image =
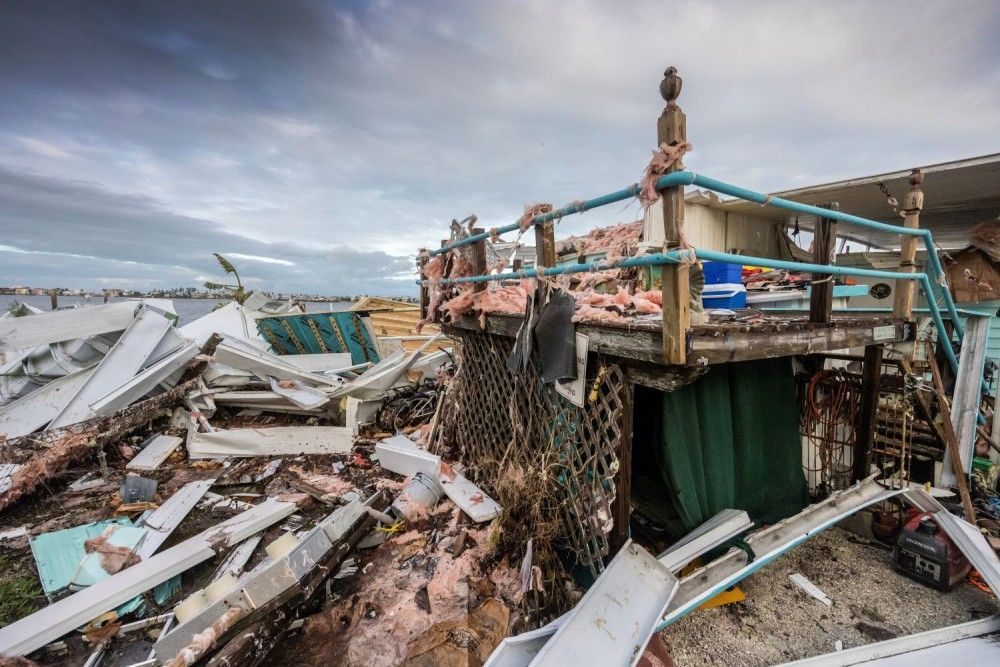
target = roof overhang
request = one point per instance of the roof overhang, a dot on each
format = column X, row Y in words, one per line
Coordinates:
column 957, row 195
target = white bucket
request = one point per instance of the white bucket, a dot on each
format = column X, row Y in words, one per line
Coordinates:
column 421, row 494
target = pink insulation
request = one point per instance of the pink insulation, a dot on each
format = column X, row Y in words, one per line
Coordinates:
column 665, row 157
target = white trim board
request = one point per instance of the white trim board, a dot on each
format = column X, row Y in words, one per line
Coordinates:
column 903, row 645
column 59, row 618
column 965, row 403
column 145, row 382
column 616, row 617
column 162, row 521
column 157, row 450
column 277, row 441
column 120, row 365
column 58, row 325
column 242, row 355
column 32, row 412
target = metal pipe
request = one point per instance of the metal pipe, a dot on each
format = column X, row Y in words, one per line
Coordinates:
column 669, row 180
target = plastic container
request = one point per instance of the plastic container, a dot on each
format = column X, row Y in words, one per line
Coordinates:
column 726, row 295
column 722, row 273
column 418, row 497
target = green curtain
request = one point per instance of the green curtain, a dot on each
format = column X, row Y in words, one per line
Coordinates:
column 731, row 439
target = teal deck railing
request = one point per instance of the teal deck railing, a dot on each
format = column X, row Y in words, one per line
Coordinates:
column 935, row 270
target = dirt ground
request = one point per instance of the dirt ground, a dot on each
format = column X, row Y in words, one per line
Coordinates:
column 778, row 622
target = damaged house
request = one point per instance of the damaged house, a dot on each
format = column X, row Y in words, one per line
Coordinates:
column 712, row 435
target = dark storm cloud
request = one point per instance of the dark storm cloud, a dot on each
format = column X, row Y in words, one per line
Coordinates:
column 283, row 129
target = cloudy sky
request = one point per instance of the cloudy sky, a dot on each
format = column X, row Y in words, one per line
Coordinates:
column 318, row 144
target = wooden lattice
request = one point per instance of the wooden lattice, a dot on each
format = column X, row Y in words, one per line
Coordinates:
column 491, row 418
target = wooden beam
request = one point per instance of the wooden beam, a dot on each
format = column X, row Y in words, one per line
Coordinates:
column 824, row 248
column 864, row 431
column 902, row 306
column 621, row 509
column 645, row 343
column 545, row 244
column 671, row 129
column 479, row 259
column 952, row 443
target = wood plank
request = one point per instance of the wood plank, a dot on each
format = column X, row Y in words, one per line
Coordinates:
column 621, row 508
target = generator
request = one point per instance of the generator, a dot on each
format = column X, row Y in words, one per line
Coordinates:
column 925, row 553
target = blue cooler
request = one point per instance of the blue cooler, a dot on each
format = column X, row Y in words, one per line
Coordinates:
column 724, row 295
column 718, row 273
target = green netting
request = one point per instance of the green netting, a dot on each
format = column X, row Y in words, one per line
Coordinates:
column 729, row 439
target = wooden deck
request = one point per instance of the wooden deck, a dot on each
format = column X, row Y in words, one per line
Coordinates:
column 748, row 335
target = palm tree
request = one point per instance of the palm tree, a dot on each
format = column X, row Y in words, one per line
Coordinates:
column 238, row 294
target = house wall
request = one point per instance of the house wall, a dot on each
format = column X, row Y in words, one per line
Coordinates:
column 713, row 228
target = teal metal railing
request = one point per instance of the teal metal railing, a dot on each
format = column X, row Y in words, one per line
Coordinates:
column 935, row 270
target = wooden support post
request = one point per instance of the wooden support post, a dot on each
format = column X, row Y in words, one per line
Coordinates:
column 479, row 259
column 54, row 298
column 545, row 244
column 902, row 306
column 621, row 509
column 671, row 129
column 952, row 443
column 824, row 247
column 864, row 431
column 425, row 293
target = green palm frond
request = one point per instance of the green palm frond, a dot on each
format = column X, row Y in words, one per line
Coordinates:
column 226, row 265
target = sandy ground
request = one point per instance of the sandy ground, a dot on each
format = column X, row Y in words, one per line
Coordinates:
column 778, row 622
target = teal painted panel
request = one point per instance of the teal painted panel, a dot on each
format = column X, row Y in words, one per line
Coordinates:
column 317, row 333
column 58, row 554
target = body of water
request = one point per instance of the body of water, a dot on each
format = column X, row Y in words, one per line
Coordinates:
column 187, row 309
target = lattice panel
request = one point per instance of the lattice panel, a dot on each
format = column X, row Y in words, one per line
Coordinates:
column 491, row 417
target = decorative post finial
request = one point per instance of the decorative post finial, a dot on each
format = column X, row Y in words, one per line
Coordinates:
column 916, row 177
column 670, row 87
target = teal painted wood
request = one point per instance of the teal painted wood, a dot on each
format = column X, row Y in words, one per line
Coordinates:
column 318, row 333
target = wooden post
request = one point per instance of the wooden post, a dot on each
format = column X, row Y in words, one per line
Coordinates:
column 902, row 306
column 479, row 259
column 671, row 129
column 621, row 509
column 425, row 293
column 864, row 430
column 54, row 298
column 824, row 246
column 545, row 244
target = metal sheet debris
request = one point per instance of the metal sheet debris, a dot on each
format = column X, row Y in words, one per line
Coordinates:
column 277, row 441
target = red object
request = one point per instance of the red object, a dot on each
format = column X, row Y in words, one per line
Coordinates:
column 925, row 553
column 361, row 461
